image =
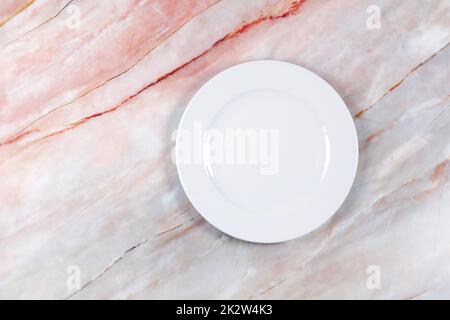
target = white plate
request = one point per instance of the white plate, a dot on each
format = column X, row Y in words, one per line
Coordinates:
column 266, row 151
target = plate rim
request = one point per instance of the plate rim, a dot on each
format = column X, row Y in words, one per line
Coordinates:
column 352, row 176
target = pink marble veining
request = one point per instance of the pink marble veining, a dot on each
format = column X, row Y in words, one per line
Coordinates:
column 85, row 139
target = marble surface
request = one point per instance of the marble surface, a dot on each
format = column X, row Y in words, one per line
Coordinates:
column 90, row 92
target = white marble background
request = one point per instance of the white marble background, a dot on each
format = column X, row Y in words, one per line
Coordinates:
column 86, row 114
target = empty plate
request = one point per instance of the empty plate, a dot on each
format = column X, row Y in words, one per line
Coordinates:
column 266, row 151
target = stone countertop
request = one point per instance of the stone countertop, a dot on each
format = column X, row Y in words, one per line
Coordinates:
column 90, row 203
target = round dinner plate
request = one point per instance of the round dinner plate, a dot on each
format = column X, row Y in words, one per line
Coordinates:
column 266, row 151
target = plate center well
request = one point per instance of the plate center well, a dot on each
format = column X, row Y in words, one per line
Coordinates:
column 266, row 150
